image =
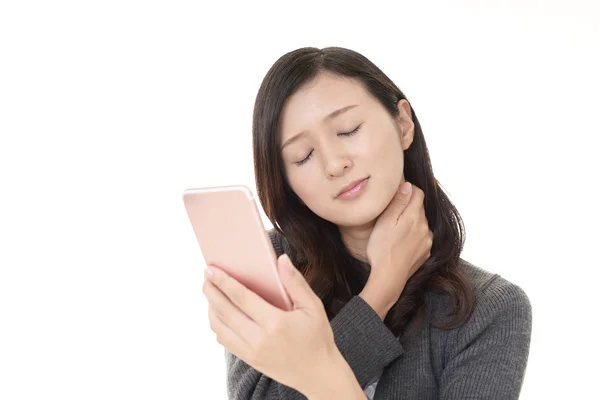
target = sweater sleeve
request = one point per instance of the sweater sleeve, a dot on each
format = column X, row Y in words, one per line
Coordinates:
column 489, row 356
column 360, row 335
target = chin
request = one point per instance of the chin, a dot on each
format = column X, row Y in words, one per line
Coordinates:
column 363, row 212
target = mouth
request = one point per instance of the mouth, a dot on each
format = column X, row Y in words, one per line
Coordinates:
column 352, row 185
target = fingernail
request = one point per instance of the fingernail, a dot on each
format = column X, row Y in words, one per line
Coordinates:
column 406, row 187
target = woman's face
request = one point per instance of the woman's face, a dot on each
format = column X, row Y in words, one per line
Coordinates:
column 323, row 152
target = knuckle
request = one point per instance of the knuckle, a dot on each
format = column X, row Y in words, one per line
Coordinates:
column 222, row 281
column 211, row 321
column 216, row 279
column 417, row 190
column 215, row 316
column 272, row 326
column 236, row 296
column 219, row 279
column 225, row 286
column 417, row 194
column 416, row 222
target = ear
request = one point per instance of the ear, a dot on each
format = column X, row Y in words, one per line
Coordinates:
column 405, row 123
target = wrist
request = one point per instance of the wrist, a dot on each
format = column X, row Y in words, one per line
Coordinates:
column 381, row 307
column 375, row 295
column 338, row 382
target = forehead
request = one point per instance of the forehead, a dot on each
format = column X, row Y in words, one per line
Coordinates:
column 312, row 102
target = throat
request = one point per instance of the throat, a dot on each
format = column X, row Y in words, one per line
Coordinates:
column 356, row 239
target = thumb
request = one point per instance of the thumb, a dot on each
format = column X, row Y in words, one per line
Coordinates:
column 400, row 199
column 296, row 286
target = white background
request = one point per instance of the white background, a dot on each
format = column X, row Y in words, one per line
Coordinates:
column 109, row 110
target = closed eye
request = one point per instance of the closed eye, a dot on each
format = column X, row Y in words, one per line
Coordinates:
column 342, row 134
column 305, row 159
column 351, row 132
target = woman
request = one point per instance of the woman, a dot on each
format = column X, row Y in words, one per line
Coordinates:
column 384, row 307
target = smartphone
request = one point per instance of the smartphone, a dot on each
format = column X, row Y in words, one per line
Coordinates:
column 231, row 236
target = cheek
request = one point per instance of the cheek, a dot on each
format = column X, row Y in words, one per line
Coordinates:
column 383, row 157
column 309, row 186
column 304, row 183
column 380, row 146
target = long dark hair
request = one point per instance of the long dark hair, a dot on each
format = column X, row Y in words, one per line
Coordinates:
column 318, row 250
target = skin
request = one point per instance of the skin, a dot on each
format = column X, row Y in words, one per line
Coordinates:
column 383, row 226
column 295, row 348
column 375, row 150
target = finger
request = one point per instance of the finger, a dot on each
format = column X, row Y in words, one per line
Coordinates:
column 295, row 284
column 251, row 304
column 415, row 204
column 225, row 335
column 400, row 200
column 229, row 314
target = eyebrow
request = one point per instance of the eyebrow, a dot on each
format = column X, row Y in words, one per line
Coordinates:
column 328, row 117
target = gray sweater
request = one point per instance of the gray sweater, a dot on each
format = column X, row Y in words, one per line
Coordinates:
column 484, row 359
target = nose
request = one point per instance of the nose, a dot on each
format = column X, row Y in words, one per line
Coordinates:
column 337, row 163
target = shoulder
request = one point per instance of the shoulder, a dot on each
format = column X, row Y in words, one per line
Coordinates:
column 502, row 309
column 494, row 296
column 493, row 293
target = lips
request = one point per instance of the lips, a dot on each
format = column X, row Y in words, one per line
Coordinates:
column 350, row 186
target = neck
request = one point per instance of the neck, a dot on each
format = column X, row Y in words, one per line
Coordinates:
column 356, row 238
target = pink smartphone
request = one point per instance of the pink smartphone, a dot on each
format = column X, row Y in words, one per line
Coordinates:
column 231, row 236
